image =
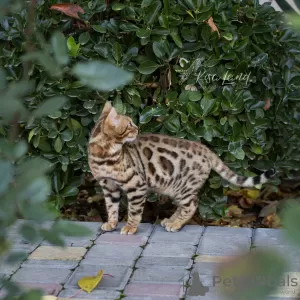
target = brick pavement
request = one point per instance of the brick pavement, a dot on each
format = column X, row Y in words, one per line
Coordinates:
column 151, row 265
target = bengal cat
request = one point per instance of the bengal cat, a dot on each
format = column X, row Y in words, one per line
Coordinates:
column 122, row 160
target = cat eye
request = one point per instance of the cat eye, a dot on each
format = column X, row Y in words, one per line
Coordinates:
column 130, row 124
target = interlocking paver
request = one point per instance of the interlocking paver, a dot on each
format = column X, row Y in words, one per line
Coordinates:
column 58, row 253
column 120, row 277
column 162, row 261
column 228, row 231
column 48, row 289
column 151, row 298
column 145, row 261
column 144, row 229
column 44, row 275
column 42, row 263
column 189, row 234
column 95, row 295
column 118, row 239
column 158, row 274
column 85, row 241
column 268, row 236
column 169, row 250
column 225, row 245
column 154, row 290
column 112, row 254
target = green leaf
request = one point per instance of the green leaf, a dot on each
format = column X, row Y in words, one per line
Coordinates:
column 118, row 6
column 152, row 12
column 176, row 38
column 158, row 49
column 69, row 191
column 207, row 104
column 290, row 221
column 58, row 145
column 172, row 123
column 227, row 36
column 99, row 28
column 262, row 265
column 84, row 38
column 20, row 149
column 295, row 80
column 5, row 175
column 50, row 106
column 259, row 59
column 117, row 51
column 143, row 33
column 67, row 135
column 101, row 76
column 245, row 30
column 73, row 47
column 148, row 67
column 236, row 150
column 71, row 229
column 195, row 95
column 60, row 48
column 149, row 112
column 29, row 232
column 2, row 78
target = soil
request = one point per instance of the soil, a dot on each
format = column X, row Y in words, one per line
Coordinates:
column 245, row 208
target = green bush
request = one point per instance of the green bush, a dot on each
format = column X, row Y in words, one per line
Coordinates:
column 239, row 93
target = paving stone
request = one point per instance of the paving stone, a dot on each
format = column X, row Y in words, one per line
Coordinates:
column 169, row 250
column 268, row 236
column 153, row 290
column 144, row 229
column 207, row 268
column 85, row 241
column 9, row 269
column 151, row 298
column 48, row 289
column 39, row 263
column 189, row 234
column 228, row 231
column 210, row 245
column 44, row 275
column 121, row 276
column 290, row 253
column 119, row 239
column 58, row 253
column 96, row 294
column 158, row 274
column 184, row 262
column 111, row 254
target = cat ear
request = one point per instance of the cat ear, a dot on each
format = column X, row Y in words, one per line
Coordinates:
column 112, row 117
column 107, row 108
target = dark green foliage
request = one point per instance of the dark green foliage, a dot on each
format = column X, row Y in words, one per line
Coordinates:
column 187, row 82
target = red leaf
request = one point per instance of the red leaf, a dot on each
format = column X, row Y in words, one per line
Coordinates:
column 68, row 9
column 268, row 104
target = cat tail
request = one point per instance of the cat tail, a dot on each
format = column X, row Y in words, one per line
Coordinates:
column 219, row 166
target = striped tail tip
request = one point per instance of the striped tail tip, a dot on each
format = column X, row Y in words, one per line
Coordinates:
column 263, row 178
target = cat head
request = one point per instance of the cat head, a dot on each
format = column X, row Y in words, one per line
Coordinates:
column 116, row 126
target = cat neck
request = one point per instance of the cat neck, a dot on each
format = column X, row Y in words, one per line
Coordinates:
column 103, row 146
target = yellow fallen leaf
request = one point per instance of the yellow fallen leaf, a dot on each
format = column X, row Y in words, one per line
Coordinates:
column 88, row 283
column 49, row 297
column 253, row 194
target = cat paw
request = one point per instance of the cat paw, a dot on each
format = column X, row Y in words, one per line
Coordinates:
column 173, row 227
column 164, row 222
column 108, row 226
column 127, row 229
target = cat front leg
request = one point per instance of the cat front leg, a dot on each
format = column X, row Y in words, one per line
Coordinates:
column 112, row 199
column 136, row 203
